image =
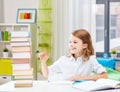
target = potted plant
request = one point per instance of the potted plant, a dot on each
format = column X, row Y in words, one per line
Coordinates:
column 114, row 53
column 5, row 52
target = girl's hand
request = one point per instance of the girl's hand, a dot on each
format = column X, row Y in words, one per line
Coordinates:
column 43, row 56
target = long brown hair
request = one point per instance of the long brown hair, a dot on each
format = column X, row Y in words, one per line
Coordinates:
column 84, row 35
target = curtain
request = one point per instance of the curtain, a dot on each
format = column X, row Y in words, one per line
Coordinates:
column 69, row 15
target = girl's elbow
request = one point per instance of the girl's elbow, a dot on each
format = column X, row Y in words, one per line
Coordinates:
column 105, row 75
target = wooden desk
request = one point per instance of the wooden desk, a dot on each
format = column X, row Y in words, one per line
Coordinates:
column 44, row 86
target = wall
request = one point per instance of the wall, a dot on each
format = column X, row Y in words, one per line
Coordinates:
column 11, row 6
column 60, row 28
column 1, row 11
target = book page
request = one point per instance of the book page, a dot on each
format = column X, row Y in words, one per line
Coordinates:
column 91, row 86
column 112, row 83
column 86, row 85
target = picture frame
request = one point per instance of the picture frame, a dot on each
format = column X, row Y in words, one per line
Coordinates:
column 26, row 15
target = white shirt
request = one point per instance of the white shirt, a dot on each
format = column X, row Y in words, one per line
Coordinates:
column 66, row 67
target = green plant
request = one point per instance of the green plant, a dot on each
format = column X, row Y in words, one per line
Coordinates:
column 5, row 50
column 113, row 51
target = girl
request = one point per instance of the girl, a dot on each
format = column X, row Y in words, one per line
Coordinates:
column 78, row 64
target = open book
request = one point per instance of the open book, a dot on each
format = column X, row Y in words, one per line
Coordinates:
column 100, row 84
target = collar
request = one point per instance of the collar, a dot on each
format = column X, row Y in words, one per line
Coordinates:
column 73, row 59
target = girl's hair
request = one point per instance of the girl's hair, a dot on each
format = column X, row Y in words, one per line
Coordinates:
column 84, row 35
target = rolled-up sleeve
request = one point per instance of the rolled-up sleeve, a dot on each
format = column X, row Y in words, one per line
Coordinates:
column 98, row 68
column 54, row 69
column 55, row 66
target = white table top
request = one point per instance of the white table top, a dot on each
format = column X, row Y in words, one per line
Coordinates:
column 44, row 86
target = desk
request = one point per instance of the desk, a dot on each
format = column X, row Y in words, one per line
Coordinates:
column 44, row 86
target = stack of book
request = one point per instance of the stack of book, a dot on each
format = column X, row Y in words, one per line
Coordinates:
column 21, row 57
column 23, row 78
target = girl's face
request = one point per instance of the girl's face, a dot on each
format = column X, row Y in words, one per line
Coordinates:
column 76, row 45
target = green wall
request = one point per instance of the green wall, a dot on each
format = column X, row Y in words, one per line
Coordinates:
column 44, row 23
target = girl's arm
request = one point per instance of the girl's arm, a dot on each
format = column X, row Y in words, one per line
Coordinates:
column 92, row 77
column 43, row 58
column 44, row 69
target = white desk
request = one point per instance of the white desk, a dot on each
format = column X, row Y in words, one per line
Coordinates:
column 44, row 86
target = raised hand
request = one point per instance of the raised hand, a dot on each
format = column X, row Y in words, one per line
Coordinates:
column 44, row 56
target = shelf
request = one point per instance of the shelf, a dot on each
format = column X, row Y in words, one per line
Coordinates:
column 44, row 8
column 15, row 42
column 44, row 21
column 4, row 41
column 44, row 33
column 44, row 45
column 5, row 57
column 117, row 59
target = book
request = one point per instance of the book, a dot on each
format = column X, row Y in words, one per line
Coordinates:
column 20, row 43
column 20, row 60
column 1, row 35
column 23, row 72
column 21, row 55
column 20, row 34
column 25, row 66
column 5, row 35
column 21, row 49
column 19, row 39
column 23, row 83
column 100, row 84
column 23, row 77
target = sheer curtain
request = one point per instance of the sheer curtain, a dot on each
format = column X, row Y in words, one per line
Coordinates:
column 69, row 15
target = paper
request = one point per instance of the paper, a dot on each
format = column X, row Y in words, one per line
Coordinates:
column 61, row 82
column 100, row 84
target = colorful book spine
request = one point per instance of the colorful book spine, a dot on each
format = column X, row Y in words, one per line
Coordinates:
column 21, row 55
column 20, row 34
column 1, row 35
column 19, row 60
column 6, row 36
column 21, row 49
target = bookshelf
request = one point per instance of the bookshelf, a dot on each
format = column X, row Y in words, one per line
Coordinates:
column 5, row 39
column 21, row 43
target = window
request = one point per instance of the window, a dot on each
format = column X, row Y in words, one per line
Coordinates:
column 107, row 26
